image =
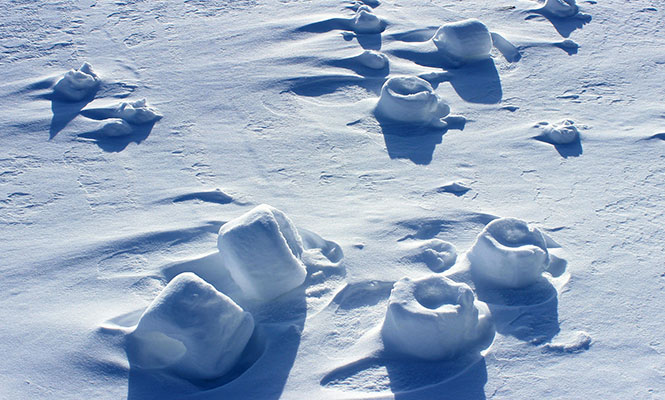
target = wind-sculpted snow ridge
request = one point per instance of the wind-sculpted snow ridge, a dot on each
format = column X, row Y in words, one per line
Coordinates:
column 78, row 84
column 434, row 318
column 262, row 250
column 412, row 100
column 191, row 330
column 509, row 253
column 464, row 41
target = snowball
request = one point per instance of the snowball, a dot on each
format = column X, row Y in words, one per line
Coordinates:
column 433, row 318
column 509, row 253
column 561, row 8
column 137, row 112
column 366, row 22
column 77, row 84
column 192, row 330
column 466, row 40
column 411, row 99
column 563, row 132
column 373, row 59
column 115, row 127
column 262, row 250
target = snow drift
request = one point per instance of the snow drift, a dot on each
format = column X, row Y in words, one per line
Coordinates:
column 262, row 251
column 509, row 253
column 191, row 330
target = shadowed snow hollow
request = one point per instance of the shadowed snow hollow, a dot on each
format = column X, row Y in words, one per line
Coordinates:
column 434, row 318
column 191, row 329
column 467, row 40
column 77, row 84
column 262, row 251
column 509, row 253
column 411, row 99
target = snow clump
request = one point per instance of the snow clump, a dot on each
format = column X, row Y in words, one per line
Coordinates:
column 137, row 112
column 116, row 127
column 77, row 84
column 366, row 22
column 466, row 40
column 509, row 253
column 373, row 59
column 563, row 132
column 262, row 250
column 411, row 99
column 434, row 318
column 561, row 8
column 191, row 330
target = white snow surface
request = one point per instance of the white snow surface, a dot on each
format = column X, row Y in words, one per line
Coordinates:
column 266, row 102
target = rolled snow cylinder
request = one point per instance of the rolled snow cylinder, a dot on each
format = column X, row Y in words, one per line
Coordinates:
column 433, row 318
column 466, row 40
column 373, row 59
column 366, row 22
column 410, row 99
column 116, row 127
column 262, row 250
column 191, row 330
column 137, row 112
column 561, row 8
column 563, row 132
column 509, row 253
column 77, row 84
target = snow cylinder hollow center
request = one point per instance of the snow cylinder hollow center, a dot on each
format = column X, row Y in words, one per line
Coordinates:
column 434, row 318
column 509, row 253
column 191, row 329
column 411, row 99
column 262, row 250
column 466, row 40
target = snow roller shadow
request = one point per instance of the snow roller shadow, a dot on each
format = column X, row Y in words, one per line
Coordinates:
column 116, row 144
column 352, row 64
column 566, row 150
column 317, row 86
column 565, row 26
column 64, row 111
column 414, row 142
column 477, row 82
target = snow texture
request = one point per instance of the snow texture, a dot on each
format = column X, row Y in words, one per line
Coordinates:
column 563, row 132
column 466, row 40
column 77, row 84
column 262, row 250
column 412, row 100
column 433, row 318
column 509, row 253
column 191, row 330
column 561, row 8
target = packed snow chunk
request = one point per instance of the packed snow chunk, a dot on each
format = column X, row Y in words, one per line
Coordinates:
column 262, row 250
column 561, row 8
column 191, row 330
column 116, row 127
column 509, row 253
column 411, row 99
column 137, row 112
column 563, row 132
column 373, row 59
column 78, row 84
column 366, row 22
column 466, row 40
column 437, row 254
column 434, row 318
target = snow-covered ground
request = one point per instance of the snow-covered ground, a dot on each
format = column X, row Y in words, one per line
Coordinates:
column 355, row 283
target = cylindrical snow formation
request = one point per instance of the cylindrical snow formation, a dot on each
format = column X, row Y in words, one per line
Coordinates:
column 77, row 84
column 411, row 99
column 366, row 22
column 561, row 8
column 191, row 330
column 563, row 132
column 433, row 318
column 373, row 59
column 509, row 253
column 466, row 40
column 262, row 250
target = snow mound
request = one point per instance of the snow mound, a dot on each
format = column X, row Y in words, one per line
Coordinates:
column 116, row 127
column 561, row 8
column 437, row 254
column 509, row 253
column 563, row 132
column 434, row 318
column 77, row 84
column 574, row 342
column 411, row 99
column 262, row 250
column 192, row 330
column 466, row 40
column 373, row 59
column 366, row 22
column 137, row 112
